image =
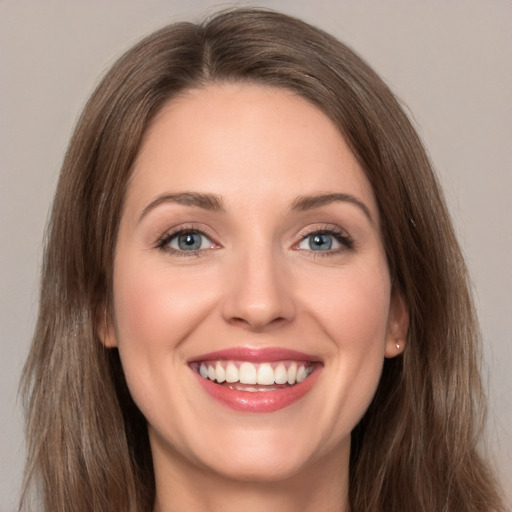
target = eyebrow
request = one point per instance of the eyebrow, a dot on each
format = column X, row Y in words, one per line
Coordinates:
column 212, row 202
column 303, row 203
column 209, row 202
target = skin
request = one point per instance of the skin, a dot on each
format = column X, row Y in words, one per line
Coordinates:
column 255, row 282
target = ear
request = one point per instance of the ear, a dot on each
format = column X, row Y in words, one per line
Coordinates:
column 398, row 325
column 105, row 328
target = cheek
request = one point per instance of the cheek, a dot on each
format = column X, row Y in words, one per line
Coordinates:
column 358, row 323
column 353, row 306
column 155, row 311
column 155, row 305
column 354, row 316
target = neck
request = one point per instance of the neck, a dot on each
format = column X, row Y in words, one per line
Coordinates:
column 323, row 485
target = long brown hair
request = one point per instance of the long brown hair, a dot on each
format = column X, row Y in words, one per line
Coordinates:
column 416, row 447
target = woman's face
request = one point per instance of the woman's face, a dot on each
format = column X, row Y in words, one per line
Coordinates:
column 249, row 252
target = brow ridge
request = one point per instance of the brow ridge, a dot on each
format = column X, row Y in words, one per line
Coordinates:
column 209, row 202
column 303, row 203
column 214, row 202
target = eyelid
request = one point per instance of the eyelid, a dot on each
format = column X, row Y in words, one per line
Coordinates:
column 336, row 244
column 341, row 235
column 163, row 240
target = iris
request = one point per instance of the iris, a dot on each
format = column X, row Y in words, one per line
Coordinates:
column 189, row 241
column 320, row 242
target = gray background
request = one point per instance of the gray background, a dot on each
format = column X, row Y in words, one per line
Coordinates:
column 449, row 61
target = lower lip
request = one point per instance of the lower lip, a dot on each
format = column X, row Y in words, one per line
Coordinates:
column 258, row 401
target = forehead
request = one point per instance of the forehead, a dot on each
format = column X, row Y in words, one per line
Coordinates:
column 245, row 141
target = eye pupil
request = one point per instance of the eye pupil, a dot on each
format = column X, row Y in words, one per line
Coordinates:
column 320, row 242
column 189, row 241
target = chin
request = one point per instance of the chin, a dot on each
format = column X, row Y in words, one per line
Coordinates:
column 263, row 469
column 271, row 455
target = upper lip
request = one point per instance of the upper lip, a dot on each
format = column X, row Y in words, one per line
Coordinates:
column 256, row 355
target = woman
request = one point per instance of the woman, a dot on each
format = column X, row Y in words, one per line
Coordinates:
column 252, row 295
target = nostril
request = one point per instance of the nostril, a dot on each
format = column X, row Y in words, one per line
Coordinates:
column 258, row 324
column 260, row 300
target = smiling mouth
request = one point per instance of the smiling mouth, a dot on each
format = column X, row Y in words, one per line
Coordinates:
column 254, row 377
column 250, row 380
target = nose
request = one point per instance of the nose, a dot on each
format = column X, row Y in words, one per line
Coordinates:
column 259, row 292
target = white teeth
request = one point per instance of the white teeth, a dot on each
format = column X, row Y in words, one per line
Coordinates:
column 220, row 372
column 248, row 373
column 292, row 373
column 301, row 374
column 231, row 373
column 280, row 374
column 263, row 374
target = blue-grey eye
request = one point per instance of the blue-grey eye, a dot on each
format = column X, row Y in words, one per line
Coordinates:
column 189, row 241
column 319, row 242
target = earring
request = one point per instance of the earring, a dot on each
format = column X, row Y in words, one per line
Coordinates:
column 398, row 346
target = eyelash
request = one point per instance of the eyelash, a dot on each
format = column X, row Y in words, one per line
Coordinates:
column 339, row 235
column 164, row 241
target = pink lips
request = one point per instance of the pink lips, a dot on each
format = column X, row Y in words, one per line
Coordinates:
column 257, row 401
